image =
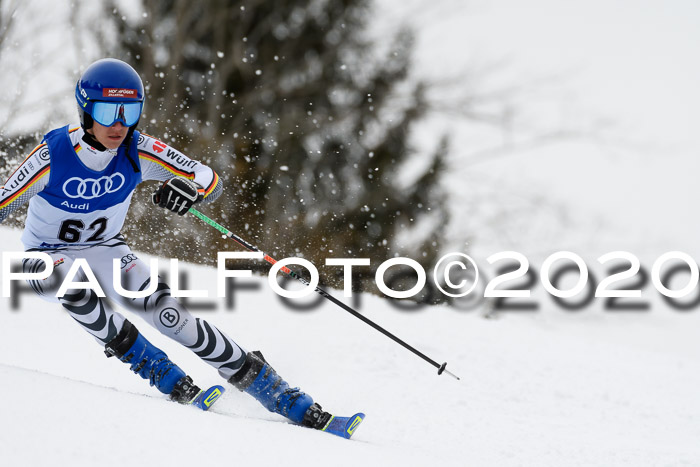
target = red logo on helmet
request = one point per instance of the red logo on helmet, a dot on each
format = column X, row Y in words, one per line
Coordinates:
column 122, row 93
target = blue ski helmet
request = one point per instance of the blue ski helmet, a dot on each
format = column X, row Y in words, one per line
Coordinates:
column 109, row 91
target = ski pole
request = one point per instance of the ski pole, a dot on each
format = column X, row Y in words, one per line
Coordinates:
column 323, row 293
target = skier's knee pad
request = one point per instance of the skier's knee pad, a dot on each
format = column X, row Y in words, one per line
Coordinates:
column 260, row 380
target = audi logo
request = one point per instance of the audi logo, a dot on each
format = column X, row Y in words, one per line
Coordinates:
column 90, row 188
column 128, row 259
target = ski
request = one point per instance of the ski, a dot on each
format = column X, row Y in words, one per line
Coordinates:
column 339, row 426
column 205, row 399
column 343, row 426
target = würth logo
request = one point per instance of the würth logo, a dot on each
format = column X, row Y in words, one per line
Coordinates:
column 158, row 146
column 117, row 92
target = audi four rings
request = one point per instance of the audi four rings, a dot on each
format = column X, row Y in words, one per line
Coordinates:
column 90, row 188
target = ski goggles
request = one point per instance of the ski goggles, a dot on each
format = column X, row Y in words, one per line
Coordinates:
column 109, row 113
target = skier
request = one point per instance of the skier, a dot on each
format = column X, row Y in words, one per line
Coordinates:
column 79, row 183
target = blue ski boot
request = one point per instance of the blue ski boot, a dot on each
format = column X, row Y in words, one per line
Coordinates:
column 151, row 363
column 260, row 380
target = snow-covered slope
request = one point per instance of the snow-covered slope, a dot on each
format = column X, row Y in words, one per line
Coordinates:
column 551, row 388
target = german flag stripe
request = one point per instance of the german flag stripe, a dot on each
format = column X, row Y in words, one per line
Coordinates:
column 35, row 150
column 165, row 165
column 29, row 184
column 37, row 176
column 213, row 184
column 25, row 159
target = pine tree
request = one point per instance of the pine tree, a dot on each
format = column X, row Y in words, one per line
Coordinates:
column 304, row 118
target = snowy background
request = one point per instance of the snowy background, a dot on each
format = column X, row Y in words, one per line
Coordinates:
column 622, row 74
column 551, row 387
column 599, row 156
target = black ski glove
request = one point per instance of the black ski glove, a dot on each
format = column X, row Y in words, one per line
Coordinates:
column 178, row 195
